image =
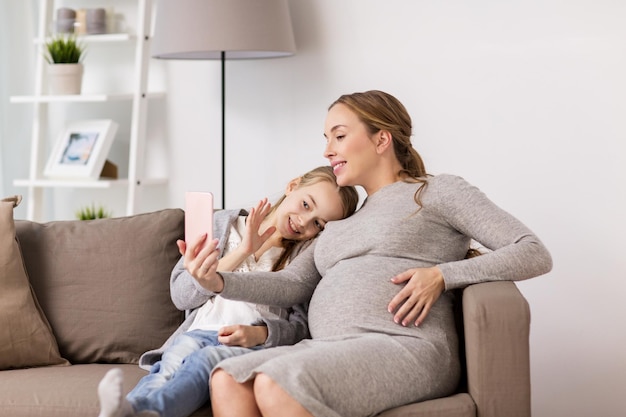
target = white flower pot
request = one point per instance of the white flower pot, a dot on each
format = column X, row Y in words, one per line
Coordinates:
column 65, row 78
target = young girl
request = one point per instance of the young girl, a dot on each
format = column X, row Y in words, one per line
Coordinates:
column 265, row 239
column 380, row 313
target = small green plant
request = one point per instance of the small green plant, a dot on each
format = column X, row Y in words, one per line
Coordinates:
column 64, row 49
column 92, row 213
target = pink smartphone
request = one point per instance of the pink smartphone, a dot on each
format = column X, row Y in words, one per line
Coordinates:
column 198, row 216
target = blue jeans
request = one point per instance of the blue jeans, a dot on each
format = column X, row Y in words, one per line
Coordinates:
column 178, row 384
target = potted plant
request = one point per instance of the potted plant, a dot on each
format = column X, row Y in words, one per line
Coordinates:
column 65, row 70
column 92, row 213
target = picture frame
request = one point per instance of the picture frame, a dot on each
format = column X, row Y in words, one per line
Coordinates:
column 81, row 149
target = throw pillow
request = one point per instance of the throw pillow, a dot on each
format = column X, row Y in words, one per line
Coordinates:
column 104, row 284
column 26, row 338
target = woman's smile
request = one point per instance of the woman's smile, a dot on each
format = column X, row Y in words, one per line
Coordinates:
column 337, row 165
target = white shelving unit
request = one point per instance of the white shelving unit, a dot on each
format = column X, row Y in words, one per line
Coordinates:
column 36, row 183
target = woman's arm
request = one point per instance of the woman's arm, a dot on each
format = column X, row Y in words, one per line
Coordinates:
column 516, row 253
column 288, row 287
column 291, row 286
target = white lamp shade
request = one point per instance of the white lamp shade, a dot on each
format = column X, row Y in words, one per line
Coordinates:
column 202, row 29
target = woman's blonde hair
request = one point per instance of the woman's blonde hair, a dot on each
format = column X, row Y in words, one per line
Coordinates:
column 349, row 199
column 382, row 111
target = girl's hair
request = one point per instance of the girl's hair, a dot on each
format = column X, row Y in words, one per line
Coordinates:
column 349, row 199
column 382, row 111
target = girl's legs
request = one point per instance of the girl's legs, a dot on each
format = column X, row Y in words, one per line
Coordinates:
column 112, row 403
column 187, row 389
column 171, row 360
column 152, row 391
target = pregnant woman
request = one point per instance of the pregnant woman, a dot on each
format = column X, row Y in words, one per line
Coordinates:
column 379, row 282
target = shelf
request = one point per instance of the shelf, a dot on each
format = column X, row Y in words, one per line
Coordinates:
column 80, row 98
column 105, row 37
column 134, row 97
column 78, row 183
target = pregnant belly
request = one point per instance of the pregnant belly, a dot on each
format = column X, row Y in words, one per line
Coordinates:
column 353, row 297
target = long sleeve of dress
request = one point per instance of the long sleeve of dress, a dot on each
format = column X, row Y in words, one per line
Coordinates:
column 515, row 252
column 288, row 287
column 391, row 230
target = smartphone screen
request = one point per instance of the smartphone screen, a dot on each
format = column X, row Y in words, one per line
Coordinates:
column 198, row 216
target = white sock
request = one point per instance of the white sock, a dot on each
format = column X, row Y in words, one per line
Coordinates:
column 110, row 392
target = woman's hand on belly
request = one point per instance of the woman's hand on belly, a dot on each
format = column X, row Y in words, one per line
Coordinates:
column 414, row 301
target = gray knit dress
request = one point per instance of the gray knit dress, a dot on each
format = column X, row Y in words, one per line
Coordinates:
column 359, row 362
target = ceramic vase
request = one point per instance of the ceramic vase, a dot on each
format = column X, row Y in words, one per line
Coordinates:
column 65, row 79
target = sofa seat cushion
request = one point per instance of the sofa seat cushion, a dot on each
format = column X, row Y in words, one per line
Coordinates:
column 104, row 284
column 61, row 391
column 458, row 405
column 57, row 391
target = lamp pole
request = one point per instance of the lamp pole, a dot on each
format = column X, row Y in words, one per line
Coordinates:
column 223, row 61
column 207, row 29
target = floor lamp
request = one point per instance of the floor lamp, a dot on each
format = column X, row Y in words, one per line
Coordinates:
column 222, row 29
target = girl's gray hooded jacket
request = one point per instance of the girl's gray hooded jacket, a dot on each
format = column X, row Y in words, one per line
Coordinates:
column 188, row 295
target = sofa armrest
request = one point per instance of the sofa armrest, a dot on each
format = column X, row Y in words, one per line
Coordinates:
column 496, row 320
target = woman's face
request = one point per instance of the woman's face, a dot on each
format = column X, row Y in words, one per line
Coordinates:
column 306, row 209
column 349, row 147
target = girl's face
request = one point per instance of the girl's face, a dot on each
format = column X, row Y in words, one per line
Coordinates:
column 306, row 209
column 349, row 147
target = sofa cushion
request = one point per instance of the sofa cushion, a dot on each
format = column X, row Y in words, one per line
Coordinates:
column 67, row 391
column 104, row 284
column 25, row 336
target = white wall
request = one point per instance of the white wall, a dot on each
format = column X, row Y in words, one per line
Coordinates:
column 16, row 28
column 525, row 99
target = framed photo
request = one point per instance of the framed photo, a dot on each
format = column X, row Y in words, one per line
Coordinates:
column 81, row 149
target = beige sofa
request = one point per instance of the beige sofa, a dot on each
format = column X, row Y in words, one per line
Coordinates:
column 99, row 292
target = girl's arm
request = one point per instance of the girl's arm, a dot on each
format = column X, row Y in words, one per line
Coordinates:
column 268, row 332
column 185, row 291
column 289, row 331
column 251, row 241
